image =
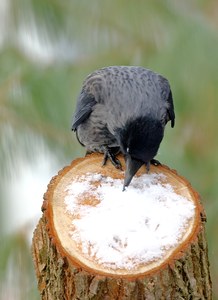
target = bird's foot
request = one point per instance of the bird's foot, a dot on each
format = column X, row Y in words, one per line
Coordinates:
column 108, row 154
column 153, row 162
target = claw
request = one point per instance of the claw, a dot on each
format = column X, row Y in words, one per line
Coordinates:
column 108, row 154
column 155, row 162
column 105, row 159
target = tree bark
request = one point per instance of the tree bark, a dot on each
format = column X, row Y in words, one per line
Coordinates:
column 184, row 274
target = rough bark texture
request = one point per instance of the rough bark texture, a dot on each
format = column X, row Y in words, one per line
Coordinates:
column 185, row 276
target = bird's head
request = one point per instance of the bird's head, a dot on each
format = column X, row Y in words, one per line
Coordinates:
column 139, row 141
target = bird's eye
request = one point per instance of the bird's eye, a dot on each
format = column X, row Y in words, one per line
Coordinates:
column 127, row 149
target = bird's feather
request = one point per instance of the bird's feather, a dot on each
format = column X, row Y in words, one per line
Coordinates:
column 170, row 110
column 84, row 108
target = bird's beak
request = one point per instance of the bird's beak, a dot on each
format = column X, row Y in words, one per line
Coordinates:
column 132, row 166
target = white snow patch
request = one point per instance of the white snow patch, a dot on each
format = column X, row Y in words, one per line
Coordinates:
column 125, row 229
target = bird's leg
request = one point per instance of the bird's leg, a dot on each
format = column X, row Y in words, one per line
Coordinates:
column 108, row 153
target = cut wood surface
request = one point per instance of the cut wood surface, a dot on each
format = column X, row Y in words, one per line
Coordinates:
column 65, row 271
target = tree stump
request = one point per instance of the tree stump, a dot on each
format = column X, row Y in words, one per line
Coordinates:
column 68, row 267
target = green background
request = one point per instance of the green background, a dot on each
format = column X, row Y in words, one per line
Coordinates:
column 47, row 48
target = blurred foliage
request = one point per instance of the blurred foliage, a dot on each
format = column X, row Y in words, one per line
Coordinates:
column 16, row 269
column 46, row 50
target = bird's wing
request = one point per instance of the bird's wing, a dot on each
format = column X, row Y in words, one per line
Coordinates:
column 84, row 107
column 170, row 110
column 167, row 96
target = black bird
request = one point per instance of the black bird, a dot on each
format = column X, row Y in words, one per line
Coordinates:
column 124, row 108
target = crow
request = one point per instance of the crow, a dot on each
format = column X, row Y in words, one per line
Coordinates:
column 124, row 109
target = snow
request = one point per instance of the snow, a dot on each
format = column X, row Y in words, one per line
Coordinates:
column 125, row 229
